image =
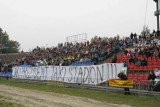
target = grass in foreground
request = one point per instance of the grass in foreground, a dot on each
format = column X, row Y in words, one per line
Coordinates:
column 135, row 101
column 5, row 103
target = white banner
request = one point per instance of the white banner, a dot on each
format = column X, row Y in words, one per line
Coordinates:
column 94, row 74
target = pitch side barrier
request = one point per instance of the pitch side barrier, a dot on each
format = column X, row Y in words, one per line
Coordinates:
column 6, row 74
column 94, row 74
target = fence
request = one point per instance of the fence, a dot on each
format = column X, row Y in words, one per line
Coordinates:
column 136, row 90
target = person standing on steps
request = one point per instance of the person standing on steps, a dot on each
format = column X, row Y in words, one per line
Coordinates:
column 122, row 76
column 151, row 81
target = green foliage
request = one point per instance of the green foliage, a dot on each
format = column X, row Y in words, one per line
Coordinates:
column 145, row 30
column 95, row 38
column 13, row 46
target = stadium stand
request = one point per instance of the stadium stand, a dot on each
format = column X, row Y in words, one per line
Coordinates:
column 140, row 54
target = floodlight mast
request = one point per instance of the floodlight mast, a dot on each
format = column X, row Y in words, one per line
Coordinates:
column 157, row 12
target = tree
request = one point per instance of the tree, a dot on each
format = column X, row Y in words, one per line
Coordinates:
column 145, row 30
column 7, row 45
column 95, row 38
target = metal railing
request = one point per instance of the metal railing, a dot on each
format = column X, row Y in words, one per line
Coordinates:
column 139, row 89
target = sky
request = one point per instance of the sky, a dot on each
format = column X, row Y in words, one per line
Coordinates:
column 45, row 23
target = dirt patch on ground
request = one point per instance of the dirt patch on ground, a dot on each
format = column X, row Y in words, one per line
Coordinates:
column 34, row 98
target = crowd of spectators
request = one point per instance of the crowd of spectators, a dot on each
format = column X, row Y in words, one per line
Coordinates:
column 5, row 66
column 146, row 46
column 95, row 51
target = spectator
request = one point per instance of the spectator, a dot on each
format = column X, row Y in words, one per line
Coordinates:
column 114, row 59
column 144, row 62
column 132, row 59
column 125, row 64
column 131, row 35
column 125, row 52
column 138, row 62
column 122, row 76
column 156, row 54
column 129, row 53
column 151, row 79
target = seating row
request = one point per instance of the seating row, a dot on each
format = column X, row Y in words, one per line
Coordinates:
column 143, row 68
column 141, row 79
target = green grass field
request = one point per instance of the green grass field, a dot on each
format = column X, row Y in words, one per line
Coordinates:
column 4, row 103
column 133, row 100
